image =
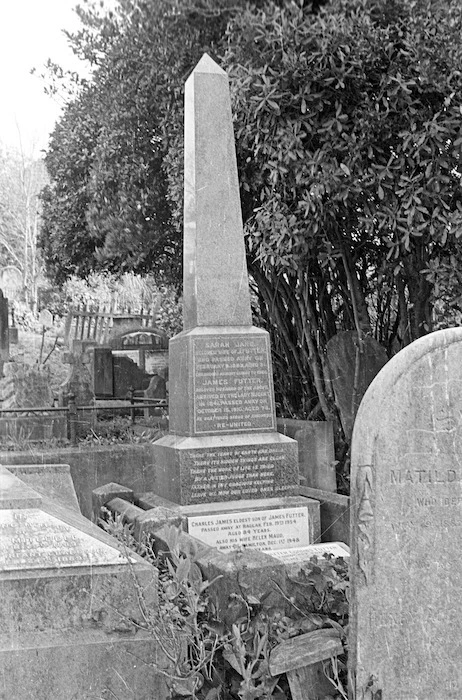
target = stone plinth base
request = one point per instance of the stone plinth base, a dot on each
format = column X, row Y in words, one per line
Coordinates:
column 225, row 468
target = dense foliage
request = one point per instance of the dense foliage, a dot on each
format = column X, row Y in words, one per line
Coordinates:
column 216, row 651
column 108, row 206
column 348, row 132
column 122, row 292
column 349, row 135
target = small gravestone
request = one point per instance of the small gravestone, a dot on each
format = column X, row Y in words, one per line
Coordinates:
column 103, row 372
column 11, row 282
column 157, row 388
column 156, row 392
column 406, row 497
column 353, row 365
column 316, row 452
column 45, row 319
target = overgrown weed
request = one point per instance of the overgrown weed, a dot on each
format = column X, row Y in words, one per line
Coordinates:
column 215, row 659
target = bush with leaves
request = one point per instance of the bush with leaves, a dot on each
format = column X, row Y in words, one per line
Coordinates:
column 108, row 205
column 349, row 140
column 211, row 658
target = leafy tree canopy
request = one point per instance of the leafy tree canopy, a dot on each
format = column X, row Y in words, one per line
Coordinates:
column 109, row 204
column 349, row 137
column 348, row 132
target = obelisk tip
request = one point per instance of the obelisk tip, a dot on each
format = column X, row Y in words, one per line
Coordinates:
column 208, row 65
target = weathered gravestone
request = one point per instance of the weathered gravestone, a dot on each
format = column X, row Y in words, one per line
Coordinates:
column 316, row 453
column 71, row 624
column 103, row 372
column 406, row 570
column 45, row 319
column 353, row 365
column 223, row 444
column 11, row 282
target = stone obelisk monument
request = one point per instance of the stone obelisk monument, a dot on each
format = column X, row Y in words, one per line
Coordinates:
column 223, row 443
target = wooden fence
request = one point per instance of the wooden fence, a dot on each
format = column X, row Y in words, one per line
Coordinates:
column 83, row 323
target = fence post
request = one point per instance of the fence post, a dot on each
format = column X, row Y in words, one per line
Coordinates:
column 131, row 394
column 72, row 409
column 68, row 326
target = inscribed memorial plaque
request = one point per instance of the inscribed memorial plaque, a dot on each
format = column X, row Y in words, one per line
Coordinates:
column 232, row 384
column 33, row 539
column 249, row 471
column 263, row 529
column 294, row 555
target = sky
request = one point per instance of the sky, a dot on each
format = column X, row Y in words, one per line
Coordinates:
column 30, row 33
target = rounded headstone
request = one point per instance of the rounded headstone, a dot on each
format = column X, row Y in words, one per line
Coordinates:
column 45, row 318
column 406, row 518
column 11, row 281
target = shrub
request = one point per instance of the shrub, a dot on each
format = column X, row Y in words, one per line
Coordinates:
column 213, row 658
